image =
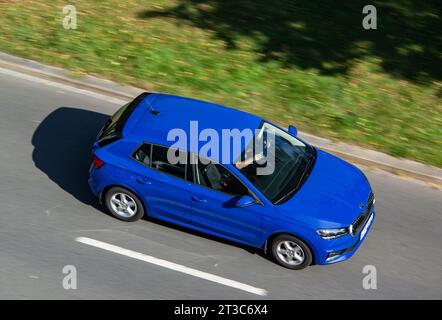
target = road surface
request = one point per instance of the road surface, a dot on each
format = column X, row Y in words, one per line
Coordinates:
column 45, row 136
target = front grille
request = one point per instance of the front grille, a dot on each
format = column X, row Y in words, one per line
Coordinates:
column 360, row 220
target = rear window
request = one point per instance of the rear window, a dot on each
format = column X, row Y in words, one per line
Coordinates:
column 113, row 128
column 143, row 154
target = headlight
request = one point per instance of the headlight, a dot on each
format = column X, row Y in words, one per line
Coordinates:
column 329, row 234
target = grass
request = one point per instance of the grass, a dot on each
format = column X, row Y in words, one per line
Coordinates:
column 294, row 62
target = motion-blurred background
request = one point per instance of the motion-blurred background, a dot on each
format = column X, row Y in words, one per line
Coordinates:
column 310, row 63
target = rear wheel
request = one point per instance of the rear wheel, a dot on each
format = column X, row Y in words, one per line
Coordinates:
column 291, row 252
column 123, row 204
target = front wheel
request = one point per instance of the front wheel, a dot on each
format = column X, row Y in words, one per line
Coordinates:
column 123, row 204
column 291, row 252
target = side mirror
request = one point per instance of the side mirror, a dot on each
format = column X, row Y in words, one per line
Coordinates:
column 245, row 201
column 293, row 131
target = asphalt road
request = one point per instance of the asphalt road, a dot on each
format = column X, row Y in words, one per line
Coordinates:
column 45, row 204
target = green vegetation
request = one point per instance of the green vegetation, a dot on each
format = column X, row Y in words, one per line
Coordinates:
column 309, row 63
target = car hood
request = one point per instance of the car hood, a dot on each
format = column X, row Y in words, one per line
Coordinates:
column 334, row 194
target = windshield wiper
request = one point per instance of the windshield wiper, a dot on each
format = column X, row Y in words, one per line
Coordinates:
column 301, row 180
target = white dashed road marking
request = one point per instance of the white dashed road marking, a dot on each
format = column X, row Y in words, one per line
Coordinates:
column 172, row 266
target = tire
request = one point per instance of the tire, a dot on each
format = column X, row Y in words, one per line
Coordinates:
column 123, row 204
column 298, row 255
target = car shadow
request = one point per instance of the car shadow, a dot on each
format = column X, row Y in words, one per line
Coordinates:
column 62, row 150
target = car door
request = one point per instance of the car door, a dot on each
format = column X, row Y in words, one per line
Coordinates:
column 162, row 185
column 214, row 194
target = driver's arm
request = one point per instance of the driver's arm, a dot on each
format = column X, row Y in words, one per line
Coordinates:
column 242, row 164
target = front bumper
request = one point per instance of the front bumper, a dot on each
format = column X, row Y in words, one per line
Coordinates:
column 343, row 248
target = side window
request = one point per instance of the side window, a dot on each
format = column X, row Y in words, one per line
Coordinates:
column 217, row 177
column 161, row 163
column 143, row 154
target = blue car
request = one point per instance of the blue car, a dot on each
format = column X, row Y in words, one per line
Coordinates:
column 310, row 208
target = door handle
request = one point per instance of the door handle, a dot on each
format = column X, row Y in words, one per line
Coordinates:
column 198, row 199
column 143, row 181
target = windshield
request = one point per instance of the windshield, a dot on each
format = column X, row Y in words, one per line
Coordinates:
column 293, row 161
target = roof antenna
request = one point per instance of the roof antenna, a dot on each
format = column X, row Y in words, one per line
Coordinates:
column 152, row 110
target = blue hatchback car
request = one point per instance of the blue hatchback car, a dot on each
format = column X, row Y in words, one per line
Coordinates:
column 312, row 208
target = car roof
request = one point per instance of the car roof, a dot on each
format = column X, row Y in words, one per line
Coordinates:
column 175, row 112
